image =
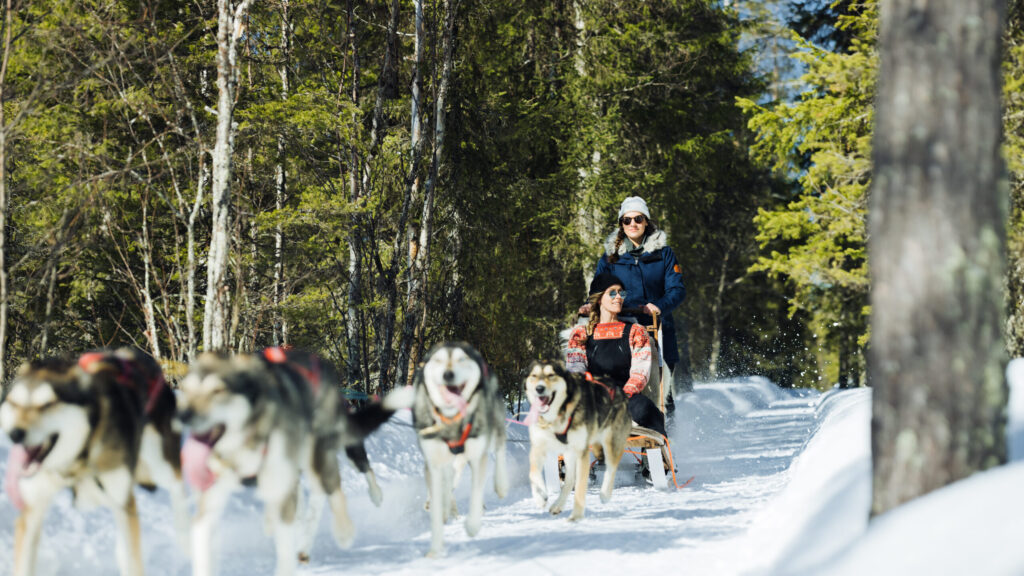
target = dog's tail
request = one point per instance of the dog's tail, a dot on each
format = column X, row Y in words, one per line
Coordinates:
column 363, row 421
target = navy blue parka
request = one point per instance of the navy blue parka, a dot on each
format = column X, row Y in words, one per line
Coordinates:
column 653, row 277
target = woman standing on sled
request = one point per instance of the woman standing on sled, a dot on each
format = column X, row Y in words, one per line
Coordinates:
column 637, row 252
column 615, row 352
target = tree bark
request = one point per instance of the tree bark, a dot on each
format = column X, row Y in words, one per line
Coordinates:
column 716, row 316
column 937, row 232
column 147, row 297
column 4, row 297
column 421, row 267
column 280, row 332
column 404, row 367
column 229, row 30
column 358, row 176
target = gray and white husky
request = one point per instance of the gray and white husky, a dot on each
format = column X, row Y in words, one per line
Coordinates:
column 262, row 420
column 459, row 415
column 97, row 425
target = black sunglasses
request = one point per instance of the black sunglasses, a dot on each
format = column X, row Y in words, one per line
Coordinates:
column 627, row 220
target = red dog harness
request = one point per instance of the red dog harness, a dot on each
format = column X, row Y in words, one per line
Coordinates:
column 126, row 371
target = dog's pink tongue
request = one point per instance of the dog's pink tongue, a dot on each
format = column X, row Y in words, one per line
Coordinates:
column 453, row 398
column 194, row 455
column 533, row 414
column 17, row 461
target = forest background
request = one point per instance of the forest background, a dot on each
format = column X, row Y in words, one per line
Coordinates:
column 402, row 172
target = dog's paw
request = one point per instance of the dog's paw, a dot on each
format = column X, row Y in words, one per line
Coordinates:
column 436, row 553
column 574, row 517
column 605, row 497
column 472, row 526
column 344, row 534
column 376, row 496
column 541, row 501
column 501, row 487
column 555, row 510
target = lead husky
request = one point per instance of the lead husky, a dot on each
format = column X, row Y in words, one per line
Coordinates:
column 574, row 414
column 460, row 417
column 253, row 421
column 96, row 426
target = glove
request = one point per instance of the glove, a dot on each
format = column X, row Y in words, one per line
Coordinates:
column 630, row 389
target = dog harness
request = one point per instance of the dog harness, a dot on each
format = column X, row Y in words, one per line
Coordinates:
column 278, row 355
column 563, row 437
column 125, row 374
column 456, row 446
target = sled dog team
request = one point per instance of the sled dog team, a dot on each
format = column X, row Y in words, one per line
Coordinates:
column 108, row 421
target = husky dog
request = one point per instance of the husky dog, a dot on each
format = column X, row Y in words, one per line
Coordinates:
column 263, row 419
column 571, row 415
column 97, row 426
column 460, row 417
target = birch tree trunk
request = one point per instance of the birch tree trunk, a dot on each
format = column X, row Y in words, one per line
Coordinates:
column 412, row 182
column 280, row 331
column 147, row 297
column 357, row 172
column 51, row 287
column 420, row 271
column 4, row 298
column 589, row 220
column 937, row 233
column 190, row 229
column 229, row 30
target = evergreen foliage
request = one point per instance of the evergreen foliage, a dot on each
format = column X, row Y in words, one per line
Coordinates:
column 556, row 112
column 816, row 239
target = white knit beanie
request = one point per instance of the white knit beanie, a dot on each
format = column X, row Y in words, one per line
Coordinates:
column 634, row 204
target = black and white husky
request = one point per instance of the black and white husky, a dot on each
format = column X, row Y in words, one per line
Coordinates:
column 264, row 419
column 459, row 415
column 97, row 425
column 574, row 415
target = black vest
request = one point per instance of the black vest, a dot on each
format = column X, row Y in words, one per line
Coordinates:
column 608, row 354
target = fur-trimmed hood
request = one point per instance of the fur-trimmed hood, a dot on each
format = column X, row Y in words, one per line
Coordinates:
column 652, row 242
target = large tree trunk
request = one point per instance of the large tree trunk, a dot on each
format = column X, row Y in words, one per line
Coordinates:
column 937, row 226
column 229, row 30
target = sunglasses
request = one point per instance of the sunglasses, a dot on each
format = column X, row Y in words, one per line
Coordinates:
column 627, row 220
column 617, row 294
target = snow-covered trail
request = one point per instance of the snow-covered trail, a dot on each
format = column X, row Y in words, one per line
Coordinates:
column 739, row 440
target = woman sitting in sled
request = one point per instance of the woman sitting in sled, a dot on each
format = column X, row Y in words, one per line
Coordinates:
column 615, row 352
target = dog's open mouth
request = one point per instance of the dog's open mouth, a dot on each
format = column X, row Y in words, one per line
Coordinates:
column 34, row 455
column 211, row 436
column 455, row 388
column 544, row 402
